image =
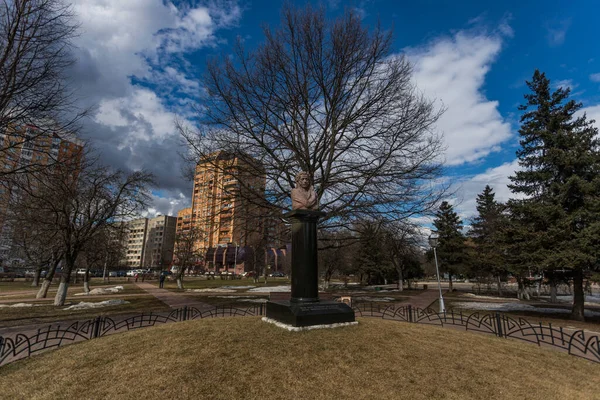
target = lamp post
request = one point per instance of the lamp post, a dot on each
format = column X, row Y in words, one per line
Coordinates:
column 433, row 242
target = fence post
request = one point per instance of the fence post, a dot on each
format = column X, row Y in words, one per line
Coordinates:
column 410, row 316
column 499, row 325
column 261, row 309
column 1, row 345
column 184, row 317
column 96, row 332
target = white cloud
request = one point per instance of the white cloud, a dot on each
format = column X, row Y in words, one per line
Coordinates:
column 145, row 40
column 565, row 84
column 496, row 177
column 556, row 31
column 452, row 70
column 592, row 112
column 595, row 77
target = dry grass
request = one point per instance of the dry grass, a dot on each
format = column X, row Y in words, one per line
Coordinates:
column 49, row 313
column 190, row 282
column 245, row 358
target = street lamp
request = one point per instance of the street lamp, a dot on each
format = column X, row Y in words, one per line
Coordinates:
column 433, row 242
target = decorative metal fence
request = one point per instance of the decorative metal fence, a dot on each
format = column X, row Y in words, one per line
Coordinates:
column 575, row 342
column 23, row 345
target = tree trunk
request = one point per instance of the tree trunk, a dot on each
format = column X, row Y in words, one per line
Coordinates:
column 450, row 286
column 499, row 282
column 61, row 293
column 400, row 279
column 179, row 282
column 86, row 282
column 577, row 313
column 553, row 297
column 36, row 277
column 519, row 288
column 43, row 292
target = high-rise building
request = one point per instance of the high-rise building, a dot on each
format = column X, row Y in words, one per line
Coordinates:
column 228, row 207
column 28, row 149
column 149, row 242
column 222, row 208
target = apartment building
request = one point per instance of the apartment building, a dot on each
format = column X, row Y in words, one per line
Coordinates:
column 160, row 242
column 149, row 242
column 221, row 206
column 29, row 148
column 226, row 208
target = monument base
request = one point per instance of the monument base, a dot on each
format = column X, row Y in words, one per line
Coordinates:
column 308, row 314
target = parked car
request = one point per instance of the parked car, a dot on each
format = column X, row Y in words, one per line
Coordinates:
column 166, row 273
column 277, row 274
column 248, row 274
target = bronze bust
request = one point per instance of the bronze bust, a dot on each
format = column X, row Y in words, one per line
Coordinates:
column 304, row 196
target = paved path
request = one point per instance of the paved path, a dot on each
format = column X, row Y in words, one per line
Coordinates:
column 422, row 300
column 173, row 299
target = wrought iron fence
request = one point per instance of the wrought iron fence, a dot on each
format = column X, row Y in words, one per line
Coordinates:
column 575, row 342
column 23, row 345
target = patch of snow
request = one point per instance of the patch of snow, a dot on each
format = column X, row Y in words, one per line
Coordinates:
column 106, row 303
column 477, row 296
column 238, row 287
column 505, row 307
column 214, row 290
column 242, row 299
column 268, row 289
column 306, row 328
column 18, row 305
column 380, row 299
column 254, row 300
column 96, row 291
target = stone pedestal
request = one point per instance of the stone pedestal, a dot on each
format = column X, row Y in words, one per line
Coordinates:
column 304, row 307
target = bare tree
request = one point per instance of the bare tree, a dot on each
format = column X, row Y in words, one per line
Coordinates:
column 78, row 201
column 401, row 241
column 35, row 98
column 186, row 252
column 329, row 98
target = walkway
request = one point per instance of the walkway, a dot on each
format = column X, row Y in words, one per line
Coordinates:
column 422, row 300
column 173, row 299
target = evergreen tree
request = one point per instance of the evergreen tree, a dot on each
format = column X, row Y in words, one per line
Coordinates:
column 561, row 183
column 485, row 231
column 374, row 263
column 451, row 249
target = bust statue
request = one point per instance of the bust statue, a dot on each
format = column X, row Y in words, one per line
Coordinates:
column 303, row 195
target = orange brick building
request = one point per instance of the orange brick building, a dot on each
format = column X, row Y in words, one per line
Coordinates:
column 228, row 207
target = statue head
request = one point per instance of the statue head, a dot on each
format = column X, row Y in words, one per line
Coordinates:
column 303, row 180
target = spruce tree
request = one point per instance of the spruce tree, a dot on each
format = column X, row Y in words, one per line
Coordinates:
column 485, row 231
column 560, row 180
column 451, row 250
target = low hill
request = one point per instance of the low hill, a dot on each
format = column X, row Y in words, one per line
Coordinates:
column 245, row 358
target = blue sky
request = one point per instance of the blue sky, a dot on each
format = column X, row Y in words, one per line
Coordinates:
column 139, row 62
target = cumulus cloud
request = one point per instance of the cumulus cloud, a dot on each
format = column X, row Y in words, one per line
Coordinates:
column 131, row 69
column 470, row 187
column 452, row 71
column 595, row 77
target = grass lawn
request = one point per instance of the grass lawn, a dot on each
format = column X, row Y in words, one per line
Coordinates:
column 245, row 358
column 203, row 283
column 48, row 313
column 20, row 289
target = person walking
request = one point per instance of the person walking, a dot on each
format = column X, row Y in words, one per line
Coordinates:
column 161, row 280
